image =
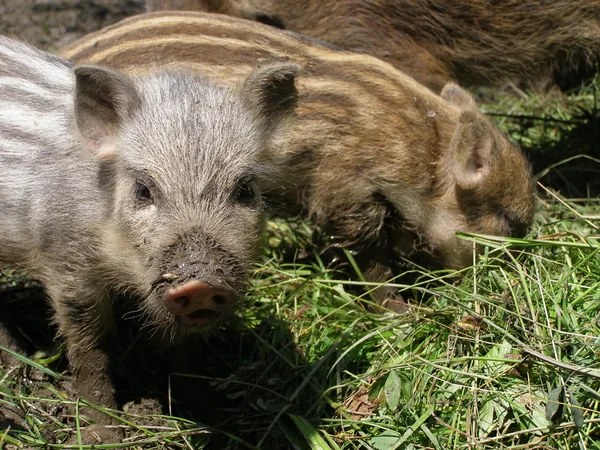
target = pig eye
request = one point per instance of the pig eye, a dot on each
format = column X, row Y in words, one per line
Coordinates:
column 143, row 194
column 246, row 192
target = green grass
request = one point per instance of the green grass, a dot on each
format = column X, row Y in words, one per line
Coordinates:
column 501, row 355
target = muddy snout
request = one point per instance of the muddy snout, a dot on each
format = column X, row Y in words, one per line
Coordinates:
column 199, row 280
column 198, row 303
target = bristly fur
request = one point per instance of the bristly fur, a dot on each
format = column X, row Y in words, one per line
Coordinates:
column 437, row 41
column 376, row 159
column 77, row 143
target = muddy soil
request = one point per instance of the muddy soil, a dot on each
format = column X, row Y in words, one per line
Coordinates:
column 51, row 24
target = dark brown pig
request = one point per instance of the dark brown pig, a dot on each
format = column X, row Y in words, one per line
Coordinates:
column 436, row 41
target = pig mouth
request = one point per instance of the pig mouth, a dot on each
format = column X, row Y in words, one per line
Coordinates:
column 176, row 322
column 196, row 304
column 197, row 287
column 200, row 319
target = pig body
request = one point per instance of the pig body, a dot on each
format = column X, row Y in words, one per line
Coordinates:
column 143, row 187
column 379, row 161
column 436, row 41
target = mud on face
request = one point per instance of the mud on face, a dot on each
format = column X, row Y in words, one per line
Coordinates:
column 198, row 285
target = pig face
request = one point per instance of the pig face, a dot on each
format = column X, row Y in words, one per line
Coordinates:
column 488, row 186
column 179, row 173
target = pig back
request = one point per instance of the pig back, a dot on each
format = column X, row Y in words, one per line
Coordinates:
column 349, row 104
column 39, row 168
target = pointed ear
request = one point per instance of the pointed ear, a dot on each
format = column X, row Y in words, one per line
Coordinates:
column 270, row 90
column 103, row 100
column 459, row 97
column 471, row 150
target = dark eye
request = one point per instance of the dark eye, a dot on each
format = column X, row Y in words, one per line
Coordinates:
column 246, row 192
column 143, row 194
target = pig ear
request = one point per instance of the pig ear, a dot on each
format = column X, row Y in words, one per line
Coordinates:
column 271, row 91
column 471, row 150
column 459, row 97
column 103, row 100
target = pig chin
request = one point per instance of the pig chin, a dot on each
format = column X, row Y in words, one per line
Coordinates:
column 459, row 255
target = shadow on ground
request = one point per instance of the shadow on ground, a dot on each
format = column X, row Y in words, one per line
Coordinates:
column 574, row 161
column 239, row 382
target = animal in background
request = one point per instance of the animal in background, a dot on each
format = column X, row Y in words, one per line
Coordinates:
column 436, row 41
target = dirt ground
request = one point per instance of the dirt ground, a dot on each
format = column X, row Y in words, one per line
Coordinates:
column 50, row 24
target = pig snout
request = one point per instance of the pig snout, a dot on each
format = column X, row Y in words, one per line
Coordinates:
column 200, row 280
column 198, row 303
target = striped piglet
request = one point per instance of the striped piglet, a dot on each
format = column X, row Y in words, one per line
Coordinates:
column 144, row 186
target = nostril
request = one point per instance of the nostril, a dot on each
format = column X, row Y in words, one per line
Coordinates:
column 219, row 299
column 194, row 296
column 182, row 301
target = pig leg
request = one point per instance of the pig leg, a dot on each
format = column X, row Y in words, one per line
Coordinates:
column 377, row 265
column 17, row 332
column 9, row 416
column 369, row 226
column 9, row 341
column 85, row 319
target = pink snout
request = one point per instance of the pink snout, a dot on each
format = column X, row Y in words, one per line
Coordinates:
column 197, row 303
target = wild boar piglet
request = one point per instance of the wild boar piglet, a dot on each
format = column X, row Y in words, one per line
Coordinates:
column 113, row 186
column 436, row 41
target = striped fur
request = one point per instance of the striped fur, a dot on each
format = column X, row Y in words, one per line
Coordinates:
column 375, row 158
column 435, row 41
column 107, row 182
column 36, row 94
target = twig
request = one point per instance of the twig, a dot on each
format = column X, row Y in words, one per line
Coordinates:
column 563, row 365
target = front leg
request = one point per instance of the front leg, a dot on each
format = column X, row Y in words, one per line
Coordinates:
column 23, row 328
column 368, row 229
column 85, row 318
column 376, row 263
